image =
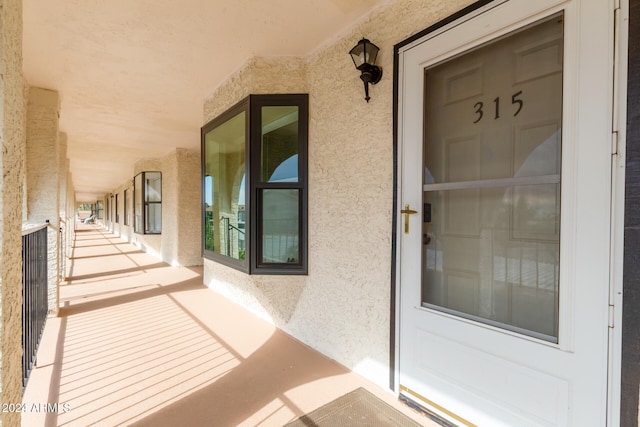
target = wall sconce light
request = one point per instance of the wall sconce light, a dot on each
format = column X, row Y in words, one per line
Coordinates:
column 364, row 56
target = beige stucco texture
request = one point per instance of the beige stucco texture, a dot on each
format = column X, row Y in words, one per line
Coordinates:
column 342, row 308
column 12, row 136
column 43, row 176
column 179, row 243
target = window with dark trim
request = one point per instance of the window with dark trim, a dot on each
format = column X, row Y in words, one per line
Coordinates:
column 116, row 209
column 127, row 202
column 254, row 182
column 147, row 195
column 99, row 210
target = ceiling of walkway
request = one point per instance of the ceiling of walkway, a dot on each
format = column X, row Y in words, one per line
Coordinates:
column 132, row 75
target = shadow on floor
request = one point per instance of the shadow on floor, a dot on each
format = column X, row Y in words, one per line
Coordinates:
column 157, row 348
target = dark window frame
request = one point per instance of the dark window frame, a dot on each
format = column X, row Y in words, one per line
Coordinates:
column 242, row 106
column 125, row 207
column 99, row 210
column 116, row 208
column 145, row 204
column 252, row 106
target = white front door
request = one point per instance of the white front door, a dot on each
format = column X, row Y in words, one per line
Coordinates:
column 504, row 147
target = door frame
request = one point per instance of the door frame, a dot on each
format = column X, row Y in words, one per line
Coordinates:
column 617, row 205
column 618, row 168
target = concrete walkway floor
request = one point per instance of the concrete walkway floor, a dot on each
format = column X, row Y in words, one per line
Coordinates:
column 138, row 342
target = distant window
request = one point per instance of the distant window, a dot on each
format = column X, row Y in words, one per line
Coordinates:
column 116, row 209
column 99, row 210
column 255, row 185
column 127, row 204
column 147, row 194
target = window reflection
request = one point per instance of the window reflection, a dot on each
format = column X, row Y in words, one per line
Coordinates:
column 224, row 183
column 279, row 144
column 254, row 185
column 492, row 168
column 280, row 226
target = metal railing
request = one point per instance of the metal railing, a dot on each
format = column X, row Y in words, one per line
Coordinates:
column 34, row 294
column 280, row 240
column 233, row 242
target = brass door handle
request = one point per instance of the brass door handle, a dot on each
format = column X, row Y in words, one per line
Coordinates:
column 407, row 211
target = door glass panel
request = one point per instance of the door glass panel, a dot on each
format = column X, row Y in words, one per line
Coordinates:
column 279, row 144
column 280, row 226
column 224, row 188
column 491, row 229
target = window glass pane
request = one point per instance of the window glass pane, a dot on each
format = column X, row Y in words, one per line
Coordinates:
column 208, row 213
column 153, row 213
column 127, row 204
column 491, row 233
column 280, row 226
column 137, row 203
column 224, row 192
column 153, row 189
column 99, row 210
column 279, row 148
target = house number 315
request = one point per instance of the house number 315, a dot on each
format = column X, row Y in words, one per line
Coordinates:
column 515, row 101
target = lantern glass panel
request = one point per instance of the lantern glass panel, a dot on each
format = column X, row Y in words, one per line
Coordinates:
column 357, row 55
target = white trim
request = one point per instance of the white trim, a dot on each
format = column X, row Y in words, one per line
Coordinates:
column 398, row 230
column 569, row 209
column 492, row 183
column 451, row 25
column 573, row 112
column 617, row 217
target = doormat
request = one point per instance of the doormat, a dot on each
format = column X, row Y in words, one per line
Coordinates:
column 357, row 408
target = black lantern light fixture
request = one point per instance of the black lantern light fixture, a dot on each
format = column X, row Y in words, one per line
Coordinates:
column 364, row 56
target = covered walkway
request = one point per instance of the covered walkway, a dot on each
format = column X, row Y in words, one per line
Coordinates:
column 139, row 342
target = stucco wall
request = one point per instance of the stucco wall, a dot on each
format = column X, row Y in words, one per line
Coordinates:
column 258, row 76
column 170, row 238
column 71, row 213
column 179, row 243
column 342, row 308
column 65, row 221
column 125, row 231
column 12, row 135
column 43, row 176
column 62, row 173
column 189, row 189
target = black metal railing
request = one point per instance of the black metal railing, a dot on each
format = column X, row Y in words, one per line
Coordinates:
column 34, row 294
column 233, row 239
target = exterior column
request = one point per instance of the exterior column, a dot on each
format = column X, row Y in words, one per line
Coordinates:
column 71, row 211
column 65, row 221
column 12, row 137
column 188, row 207
column 43, row 177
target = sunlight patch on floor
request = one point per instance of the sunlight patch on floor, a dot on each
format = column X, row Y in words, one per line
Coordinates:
column 122, row 363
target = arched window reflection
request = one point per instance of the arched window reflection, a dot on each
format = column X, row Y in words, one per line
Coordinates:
column 279, row 143
column 224, row 195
